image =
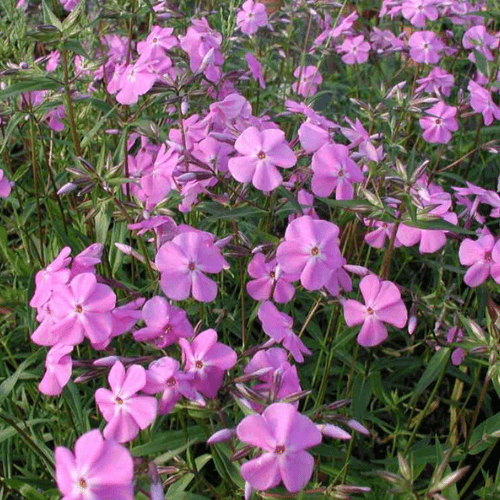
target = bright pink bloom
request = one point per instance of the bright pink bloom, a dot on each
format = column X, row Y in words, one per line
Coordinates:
column 251, row 17
column 438, row 81
column 309, row 79
column 439, row 124
column 482, row 102
column 126, row 316
column 455, row 335
column 182, row 263
column 164, row 375
column 53, row 61
column 333, row 169
column 136, row 80
column 255, row 69
column 82, row 308
column 5, row 185
column 262, row 151
column 86, row 260
column 56, row 273
column 383, row 304
column 376, row 238
column 311, row 250
column 425, row 47
column 478, row 39
column 165, row 323
column 125, row 412
column 355, row 50
column 483, row 255
column 284, row 435
column 208, row 360
column 358, row 136
column 269, row 279
column 99, row 470
column 58, row 364
column 278, row 326
column 158, row 41
column 418, row 11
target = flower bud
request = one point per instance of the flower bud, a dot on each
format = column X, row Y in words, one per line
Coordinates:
column 221, row 436
column 333, row 431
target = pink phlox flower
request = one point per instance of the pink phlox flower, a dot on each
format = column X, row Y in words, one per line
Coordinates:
column 439, row 124
column 182, row 263
column 5, row 186
column 283, row 434
column 126, row 316
column 195, row 130
column 311, row 250
column 86, row 260
column 343, row 27
column 200, row 39
column 309, row 78
column 418, row 11
column 383, row 304
column 278, row 326
column 165, row 376
column 269, row 279
column 434, row 204
column 391, row 8
column 214, row 153
column 158, row 41
column 482, row 102
column 261, row 152
column 208, row 360
column 355, row 49
column 481, row 195
column 455, row 335
column 358, row 136
column 339, row 281
column 383, row 231
column 280, row 379
column 425, row 47
column 312, row 136
column 53, row 61
column 231, row 107
column 255, row 69
column 69, row 5
column 251, row 17
column 163, row 226
column 385, row 41
column 438, row 82
column 306, row 201
column 81, row 308
column 165, row 323
column 136, row 80
column 56, row 273
column 54, row 116
column 483, row 257
column 477, row 38
column 334, row 170
column 125, row 412
column 99, row 469
column 58, row 370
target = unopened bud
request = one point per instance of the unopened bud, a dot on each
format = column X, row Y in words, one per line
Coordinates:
column 248, row 490
column 67, row 188
column 356, row 426
column 358, row 270
column 184, row 106
column 449, row 480
column 221, row 436
column 156, row 488
column 296, row 396
column 412, row 324
column 333, row 431
column 223, row 241
column 404, row 468
column 238, row 455
column 107, row 361
column 352, row 489
column 207, row 60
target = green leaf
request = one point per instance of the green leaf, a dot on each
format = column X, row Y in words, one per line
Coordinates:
column 26, row 490
column 438, row 362
column 227, row 469
column 76, row 47
column 170, row 440
column 38, row 83
column 481, row 439
column 49, row 17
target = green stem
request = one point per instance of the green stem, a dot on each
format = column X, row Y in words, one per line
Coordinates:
column 69, row 104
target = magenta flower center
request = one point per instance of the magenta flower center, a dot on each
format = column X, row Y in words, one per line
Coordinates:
column 192, row 266
column 279, row 450
column 272, row 275
column 340, row 173
column 155, row 40
column 487, row 256
column 119, row 401
column 168, row 329
column 79, row 309
column 314, row 251
column 82, row 483
column 437, row 121
column 369, row 311
column 171, row 382
column 198, row 364
column 261, row 155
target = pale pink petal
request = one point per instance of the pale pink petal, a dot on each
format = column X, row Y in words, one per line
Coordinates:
column 354, row 312
column 116, row 377
column 242, row 168
column 394, row 314
column 477, row 274
column 370, row 288
column 204, row 289
column 121, row 428
column 470, row 252
column 88, row 449
column 249, row 142
column 105, row 401
column 292, row 256
column 176, row 284
column 262, row 472
column 65, row 467
column 135, row 380
column 372, row 333
column 254, row 430
column 114, row 467
column 296, row 469
column 143, row 410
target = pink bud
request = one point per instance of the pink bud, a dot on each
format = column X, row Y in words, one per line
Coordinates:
column 221, row 436
column 356, row 426
column 412, row 324
column 107, row 361
column 333, row 431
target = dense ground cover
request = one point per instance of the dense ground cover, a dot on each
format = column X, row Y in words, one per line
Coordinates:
column 249, row 249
